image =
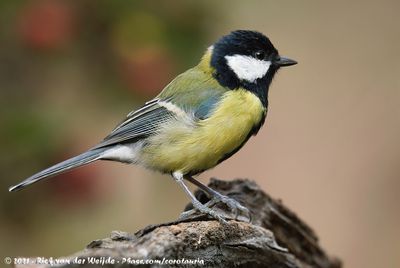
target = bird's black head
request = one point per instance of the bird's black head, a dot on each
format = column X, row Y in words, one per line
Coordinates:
column 247, row 59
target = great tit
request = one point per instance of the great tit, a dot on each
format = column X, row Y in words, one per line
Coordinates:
column 201, row 118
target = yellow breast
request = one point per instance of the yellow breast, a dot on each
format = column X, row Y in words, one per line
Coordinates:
column 193, row 147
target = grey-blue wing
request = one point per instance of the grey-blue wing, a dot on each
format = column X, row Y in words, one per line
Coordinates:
column 145, row 121
column 138, row 124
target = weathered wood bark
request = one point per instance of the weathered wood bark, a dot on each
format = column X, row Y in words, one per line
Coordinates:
column 276, row 237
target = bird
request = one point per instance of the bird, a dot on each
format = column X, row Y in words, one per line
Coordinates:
column 201, row 118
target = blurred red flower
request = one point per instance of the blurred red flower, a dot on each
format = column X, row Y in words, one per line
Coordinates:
column 46, row 24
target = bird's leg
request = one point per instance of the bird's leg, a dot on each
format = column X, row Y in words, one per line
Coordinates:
column 216, row 197
column 196, row 203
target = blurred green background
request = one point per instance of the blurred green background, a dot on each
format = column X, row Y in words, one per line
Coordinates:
column 330, row 149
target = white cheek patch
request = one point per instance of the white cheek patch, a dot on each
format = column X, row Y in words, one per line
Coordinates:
column 248, row 68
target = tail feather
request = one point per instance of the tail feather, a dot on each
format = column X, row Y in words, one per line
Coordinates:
column 74, row 162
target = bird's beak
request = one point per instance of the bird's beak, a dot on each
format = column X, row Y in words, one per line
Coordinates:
column 283, row 62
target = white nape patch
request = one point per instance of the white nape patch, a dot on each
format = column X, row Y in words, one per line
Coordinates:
column 248, row 68
column 123, row 153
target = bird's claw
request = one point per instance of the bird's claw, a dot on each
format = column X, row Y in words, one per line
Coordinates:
column 239, row 211
column 205, row 209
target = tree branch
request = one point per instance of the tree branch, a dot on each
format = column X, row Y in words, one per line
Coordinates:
column 276, row 237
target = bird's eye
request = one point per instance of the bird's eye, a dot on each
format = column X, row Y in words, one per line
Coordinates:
column 259, row 54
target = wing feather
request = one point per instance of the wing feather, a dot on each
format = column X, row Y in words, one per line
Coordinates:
column 201, row 95
column 138, row 124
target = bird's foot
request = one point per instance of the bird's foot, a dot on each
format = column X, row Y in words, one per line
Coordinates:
column 240, row 212
column 204, row 209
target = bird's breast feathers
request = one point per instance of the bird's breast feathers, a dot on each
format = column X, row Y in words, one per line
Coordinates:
column 188, row 145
